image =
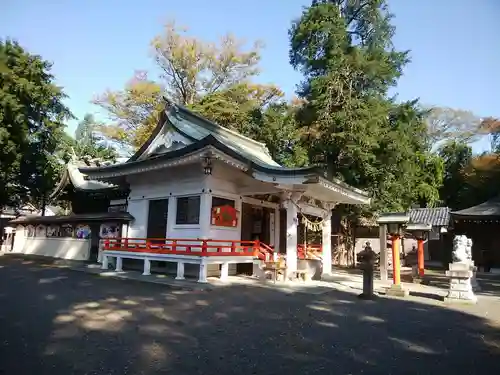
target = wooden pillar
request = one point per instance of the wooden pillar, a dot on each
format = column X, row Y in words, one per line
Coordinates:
column 202, row 277
column 272, row 228
column 224, row 271
column 420, row 252
column 291, row 237
column 277, row 230
column 383, row 252
column 180, row 271
column 326, row 244
column 205, row 213
column 147, row 267
column 396, row 264
column 119, row 263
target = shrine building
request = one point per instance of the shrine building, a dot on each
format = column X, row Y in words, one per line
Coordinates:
column 195, row 194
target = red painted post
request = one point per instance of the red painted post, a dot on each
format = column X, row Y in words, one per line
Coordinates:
column 204, row 248
column 396, row 264
column 420, row 251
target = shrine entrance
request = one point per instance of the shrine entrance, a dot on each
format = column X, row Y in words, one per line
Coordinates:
column 255, row 225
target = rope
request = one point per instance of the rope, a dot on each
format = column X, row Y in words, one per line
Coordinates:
column 315, row 226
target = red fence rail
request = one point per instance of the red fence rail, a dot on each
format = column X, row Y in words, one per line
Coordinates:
column 198, row 247
column 188, row 246
column 309, row 251
column 264, row 251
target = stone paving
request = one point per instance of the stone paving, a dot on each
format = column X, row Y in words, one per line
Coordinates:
column 57, row 321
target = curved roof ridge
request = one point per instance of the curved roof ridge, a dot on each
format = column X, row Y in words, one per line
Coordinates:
column 217, row 126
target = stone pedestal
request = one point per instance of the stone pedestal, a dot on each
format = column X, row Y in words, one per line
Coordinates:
column 415, row 277
column 396, row 290
column 368, row 292
column 473, row 280
column 460, row 290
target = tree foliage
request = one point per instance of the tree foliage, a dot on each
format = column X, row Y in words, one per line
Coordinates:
column 32, row 116
column 134, row 111
column 449, row 124
column 213, row 79
column 192, row 67
column 87, row 142
column 491, row 127
column 345, row 52
column 457, row 159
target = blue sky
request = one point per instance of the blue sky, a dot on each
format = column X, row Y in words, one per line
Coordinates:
column 98, row 44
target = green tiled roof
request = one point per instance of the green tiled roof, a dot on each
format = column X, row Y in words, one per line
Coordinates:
column 197, row 128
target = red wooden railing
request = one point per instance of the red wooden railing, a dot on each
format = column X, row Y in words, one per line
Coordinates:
column 189, row 246
column 309, row 252
column 198, row 247
column 264, row 251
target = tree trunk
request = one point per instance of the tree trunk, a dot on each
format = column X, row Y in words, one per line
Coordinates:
column 44, row 204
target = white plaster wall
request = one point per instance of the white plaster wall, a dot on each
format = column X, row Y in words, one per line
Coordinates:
column 139, row 210
column 64, row 248
column 184, row 181
column 171, row 183
column 19, row 239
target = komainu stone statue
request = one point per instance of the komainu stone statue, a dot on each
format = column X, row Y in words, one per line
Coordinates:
column 473, row 267
column 468, row 249
column 459, row 253
column 460, row 272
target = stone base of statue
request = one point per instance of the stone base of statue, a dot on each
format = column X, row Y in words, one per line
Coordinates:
column 473, row 280
column 397, row 290
column 368, row 290
column 417, row 280
column 460, row 290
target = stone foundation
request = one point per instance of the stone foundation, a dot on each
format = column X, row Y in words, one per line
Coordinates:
column 460, row 289
column 473, row 280
column 397, row 291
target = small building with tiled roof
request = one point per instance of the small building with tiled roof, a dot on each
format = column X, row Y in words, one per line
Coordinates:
column 436, row 216
column 439, row 218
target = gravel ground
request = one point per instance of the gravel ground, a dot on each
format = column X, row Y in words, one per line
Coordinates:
column 60, row 322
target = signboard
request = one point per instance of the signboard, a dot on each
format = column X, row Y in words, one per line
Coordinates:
column 224, row 216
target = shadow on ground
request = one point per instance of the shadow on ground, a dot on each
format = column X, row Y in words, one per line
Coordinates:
column 56, row 321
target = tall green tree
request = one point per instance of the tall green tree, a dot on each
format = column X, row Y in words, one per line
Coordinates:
column 32, row 117
column 85, row 128
column 276, row 126
column 362, row 136
column 457, row 158
column 258, row 112
column 345, row 51
column 88, row 143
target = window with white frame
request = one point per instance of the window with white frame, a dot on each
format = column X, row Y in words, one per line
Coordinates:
column 188, row 210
